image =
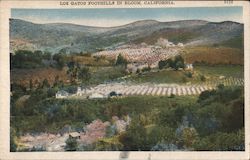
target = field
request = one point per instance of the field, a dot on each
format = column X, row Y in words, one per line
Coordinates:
column 236, row 71
column 180, row 77
column 213, row 55
column 37, row 75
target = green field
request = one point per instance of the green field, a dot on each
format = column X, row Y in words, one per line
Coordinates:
column 236, row 71
column 180, row 77
column 162, row 76
column 104, row 74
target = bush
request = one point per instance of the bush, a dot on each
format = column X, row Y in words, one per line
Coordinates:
column 71, row 144
column 202, row 78
column 26, row 59
column 146, row 69
column 222, row 142
column 164, row 147
column 172, row 95
column 108, row 144
column 189, row 74
column 121, row 60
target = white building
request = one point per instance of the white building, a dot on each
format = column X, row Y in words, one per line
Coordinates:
column 180, row 44
column 62, row 94
column 81, row 92
column 189, row 67
column 97, row 96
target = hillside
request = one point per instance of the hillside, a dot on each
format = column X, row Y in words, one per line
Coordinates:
column 213, row 55
column 69, row 38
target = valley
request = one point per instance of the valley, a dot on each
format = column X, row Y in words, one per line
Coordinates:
column 143, row 86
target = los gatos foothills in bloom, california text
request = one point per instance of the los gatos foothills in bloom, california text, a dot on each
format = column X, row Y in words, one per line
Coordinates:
column 96, row 3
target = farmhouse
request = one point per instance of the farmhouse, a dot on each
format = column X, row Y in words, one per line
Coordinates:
column 74, row 135
column 133, row 67
column 62, row 94
column 189, row 67
column 81, row 92
column 97, row 96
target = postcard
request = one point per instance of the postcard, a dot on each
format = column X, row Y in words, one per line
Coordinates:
column 124, row 79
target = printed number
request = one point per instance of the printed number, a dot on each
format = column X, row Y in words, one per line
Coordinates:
column 228, row 1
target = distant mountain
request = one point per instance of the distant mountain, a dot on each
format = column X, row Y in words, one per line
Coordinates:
column 55, row 37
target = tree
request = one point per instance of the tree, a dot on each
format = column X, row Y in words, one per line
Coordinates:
column 189, row 137
column 178, row 62
column 146, row 69
column 59, row 58
column 166, row 63
column 71, row 144
column 84, row 74
column 45, row 83
column 73, row 71
column 47, row 55
column 205, row 95
column 56, row 81
column 135, row 139
column 203, row 78
column 26, row 59
column 162, row 64
column 222, row 142
column 120, row 60
column 170, row 63
column 189, row 74
column 112, row 94
column 31, row 84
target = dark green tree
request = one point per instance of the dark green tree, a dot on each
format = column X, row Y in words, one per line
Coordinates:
column 31, row 84
column 120, row 60
column 60, row 59
column 45, row 83
column 71, row 144
column 178, row 62
column 162, row 64
column 84, row 74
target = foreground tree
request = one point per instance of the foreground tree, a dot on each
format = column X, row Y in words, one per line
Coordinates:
column 71, row 144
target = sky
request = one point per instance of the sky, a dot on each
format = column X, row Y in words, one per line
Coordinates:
column 107, row 17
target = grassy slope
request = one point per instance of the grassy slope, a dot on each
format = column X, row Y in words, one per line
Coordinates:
column 89, row 60
column 163, row 76
column 101, row 74
column 76, row 112
column 170, row 76
column 228, row 70
column 173, row 35
column 212, row 55
column 23, row 76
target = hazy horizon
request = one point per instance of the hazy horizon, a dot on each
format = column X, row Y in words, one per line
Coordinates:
column 112, row 17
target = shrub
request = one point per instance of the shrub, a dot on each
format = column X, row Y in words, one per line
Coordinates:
column 189, row 74
column 120, row 60
column 202, row 78
column 71, row 144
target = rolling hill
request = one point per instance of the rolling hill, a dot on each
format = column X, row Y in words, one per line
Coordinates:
column 69, row 38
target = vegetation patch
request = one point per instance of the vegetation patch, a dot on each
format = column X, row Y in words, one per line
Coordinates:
column 213, row 55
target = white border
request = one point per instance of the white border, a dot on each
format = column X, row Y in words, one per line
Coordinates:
column 5, row 7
